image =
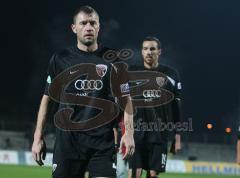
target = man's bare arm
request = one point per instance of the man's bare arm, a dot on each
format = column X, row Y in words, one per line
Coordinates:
column 178, row 143
column 238, row 151
column 127, row 138
column 39, row 147
column 41, row 118
column 128, row 118
column 115, row 135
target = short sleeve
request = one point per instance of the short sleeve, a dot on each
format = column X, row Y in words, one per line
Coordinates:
column 119, row 80
column 178, row 87
column 177, row 102
column 51, row 73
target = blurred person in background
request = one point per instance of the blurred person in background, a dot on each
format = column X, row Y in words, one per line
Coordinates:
column 152, row 146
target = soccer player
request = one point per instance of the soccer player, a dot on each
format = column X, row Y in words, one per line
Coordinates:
column 91, row 149
column 151, row 145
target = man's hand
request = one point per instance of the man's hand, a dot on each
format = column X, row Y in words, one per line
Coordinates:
column 127, row 141
column 39, row 151
column 238, row 160
column 177, row 143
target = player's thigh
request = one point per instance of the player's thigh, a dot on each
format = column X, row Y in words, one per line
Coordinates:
column 102, row 164
column 139, row 158
column 158, row 158
column 69, row 168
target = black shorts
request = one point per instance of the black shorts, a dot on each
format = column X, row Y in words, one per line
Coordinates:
column 149, row 157
column 98, row 162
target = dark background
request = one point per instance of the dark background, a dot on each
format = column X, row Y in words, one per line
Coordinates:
column 201, row 40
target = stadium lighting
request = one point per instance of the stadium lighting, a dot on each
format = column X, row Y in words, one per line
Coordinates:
column 228, row 130
column 209, row 126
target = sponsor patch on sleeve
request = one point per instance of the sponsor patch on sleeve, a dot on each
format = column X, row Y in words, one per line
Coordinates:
column 124, row 88
column 49, row 80
column 179, row 86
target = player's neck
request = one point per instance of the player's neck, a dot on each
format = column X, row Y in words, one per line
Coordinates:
column 85, row 48
column 151, row 66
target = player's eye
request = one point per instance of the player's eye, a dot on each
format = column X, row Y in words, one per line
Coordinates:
column 152, row 49
column 83, row 23
column 92, row 23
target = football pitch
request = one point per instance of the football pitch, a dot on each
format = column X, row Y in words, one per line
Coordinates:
column 13, row 171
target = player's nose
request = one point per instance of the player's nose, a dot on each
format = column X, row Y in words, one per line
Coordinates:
column 148, row 52
column 89, row 27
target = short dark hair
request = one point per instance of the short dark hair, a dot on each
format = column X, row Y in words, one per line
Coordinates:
column 84, row 9
column 152, row 38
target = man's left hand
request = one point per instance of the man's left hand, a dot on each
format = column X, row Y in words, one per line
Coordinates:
column 177, row 143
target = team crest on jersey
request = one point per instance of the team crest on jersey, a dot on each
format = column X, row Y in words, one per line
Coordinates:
column 101, row 70
column 160, row 81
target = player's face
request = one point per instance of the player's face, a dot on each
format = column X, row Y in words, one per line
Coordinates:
column 150, row 52
column 86, row 27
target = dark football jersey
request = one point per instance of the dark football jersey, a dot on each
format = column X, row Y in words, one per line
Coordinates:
column 85, row 85
column 153, row 124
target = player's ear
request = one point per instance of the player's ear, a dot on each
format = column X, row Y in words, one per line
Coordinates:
column 159, row 51
column 142, row 51
column 73, row 27
column 99, row 27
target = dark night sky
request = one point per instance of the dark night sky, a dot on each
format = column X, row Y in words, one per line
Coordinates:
column 201, row 39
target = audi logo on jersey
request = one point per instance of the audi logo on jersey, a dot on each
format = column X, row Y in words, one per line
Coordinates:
column 152, row 93
column 150, row 89
column 93, row 85
column 88, row 84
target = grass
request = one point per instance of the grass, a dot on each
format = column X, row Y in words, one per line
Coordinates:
column 16, row 171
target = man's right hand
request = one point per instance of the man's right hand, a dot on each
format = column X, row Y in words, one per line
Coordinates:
column 128, row 142
column 39, row 151
column 238, row 160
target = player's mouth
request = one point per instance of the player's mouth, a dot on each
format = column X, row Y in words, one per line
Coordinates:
column 89, row 36
column 149, row 57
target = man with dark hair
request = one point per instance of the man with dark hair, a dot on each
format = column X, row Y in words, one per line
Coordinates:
column 152, row 144
column 152, row 38
column 86, row 10
column 79, row 80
